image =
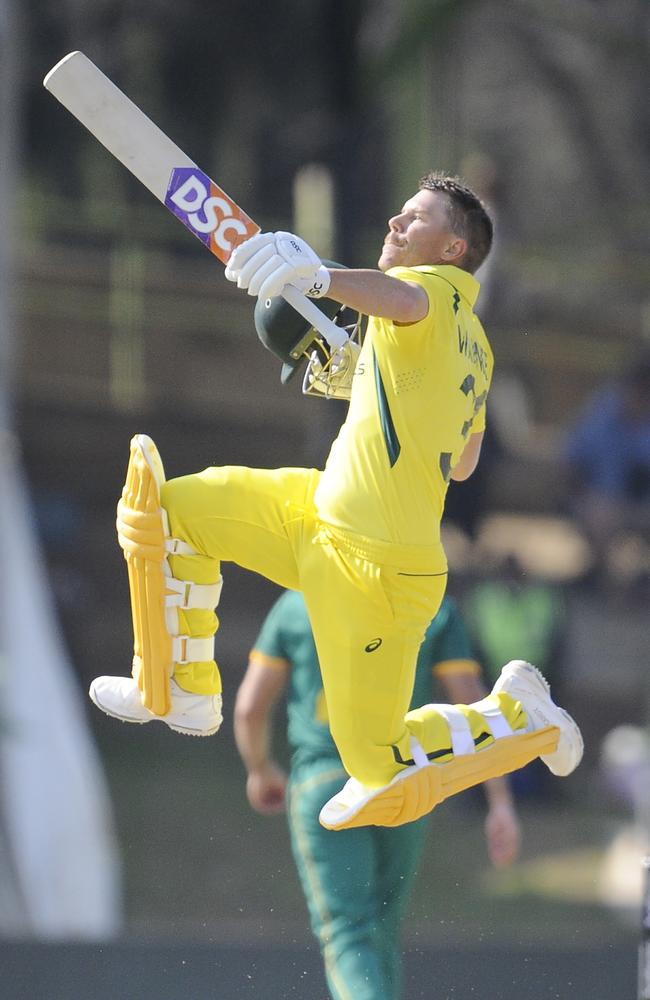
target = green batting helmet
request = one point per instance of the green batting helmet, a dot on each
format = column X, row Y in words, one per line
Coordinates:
column 286, row 333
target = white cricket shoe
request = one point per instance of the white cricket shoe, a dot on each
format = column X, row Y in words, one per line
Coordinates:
column 191, row 714
column 524, row 682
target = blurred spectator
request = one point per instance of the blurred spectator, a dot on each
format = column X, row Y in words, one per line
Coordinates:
column 625, row 773
column 516, row 616
column 607, row 454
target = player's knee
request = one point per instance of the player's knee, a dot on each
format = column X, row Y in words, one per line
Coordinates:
column 188, row 495
column 183, row 499
column 175, row 494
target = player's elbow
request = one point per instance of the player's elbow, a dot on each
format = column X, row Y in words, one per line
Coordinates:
column 247, row 709
column 247, row 712
column 459, row 475
column 463, row 470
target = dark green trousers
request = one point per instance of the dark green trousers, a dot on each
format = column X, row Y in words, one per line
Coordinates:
column 356, row 883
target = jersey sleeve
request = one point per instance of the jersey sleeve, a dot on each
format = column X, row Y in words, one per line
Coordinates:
column 435, row 288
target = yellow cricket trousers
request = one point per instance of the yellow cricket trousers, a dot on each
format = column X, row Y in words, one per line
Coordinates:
column 368, row 617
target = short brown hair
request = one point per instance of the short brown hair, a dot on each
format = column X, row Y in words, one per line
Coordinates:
column 468, row 216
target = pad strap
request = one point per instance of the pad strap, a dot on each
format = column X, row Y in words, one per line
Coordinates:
column 186, row 649
column 192, row 595
column 462, row 741
column 495, row 718
column 418, row 754
column 175, row 546
column 187, row 595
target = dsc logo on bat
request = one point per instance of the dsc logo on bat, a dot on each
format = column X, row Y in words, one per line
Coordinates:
column 207, row 211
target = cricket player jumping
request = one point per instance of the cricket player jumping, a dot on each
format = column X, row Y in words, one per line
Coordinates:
column 360, row 539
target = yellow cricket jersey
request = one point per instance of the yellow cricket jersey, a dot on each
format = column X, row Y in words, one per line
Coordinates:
column 418, row 393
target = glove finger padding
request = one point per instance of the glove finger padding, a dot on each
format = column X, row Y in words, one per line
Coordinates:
column 254, row 264
column 271, row 275
column 245, row 251
column 282, row 276
column 267, row 262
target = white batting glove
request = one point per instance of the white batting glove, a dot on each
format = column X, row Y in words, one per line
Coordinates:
column 265, row 263
column 244, row 252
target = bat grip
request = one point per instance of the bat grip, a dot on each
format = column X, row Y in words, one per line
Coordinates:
column 334, row 335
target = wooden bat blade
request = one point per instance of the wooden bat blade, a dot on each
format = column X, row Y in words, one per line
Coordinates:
column 116, row 121
column 149, row 154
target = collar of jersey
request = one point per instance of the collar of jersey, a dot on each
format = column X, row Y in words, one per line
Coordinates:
column 464, row 282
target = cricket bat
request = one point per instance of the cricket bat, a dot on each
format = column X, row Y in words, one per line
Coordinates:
column 175, row 180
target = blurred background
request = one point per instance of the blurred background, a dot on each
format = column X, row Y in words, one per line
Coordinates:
column 131, row 865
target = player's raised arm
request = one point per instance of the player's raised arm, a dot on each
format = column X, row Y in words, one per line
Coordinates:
column 376, row 294
column 265, row 264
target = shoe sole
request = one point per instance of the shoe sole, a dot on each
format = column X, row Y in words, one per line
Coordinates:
column 185, row 731
column 538, row 687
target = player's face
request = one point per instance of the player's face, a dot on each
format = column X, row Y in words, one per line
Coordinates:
column 419, row 234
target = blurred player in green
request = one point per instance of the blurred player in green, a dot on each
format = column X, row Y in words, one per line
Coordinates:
column 356, row 882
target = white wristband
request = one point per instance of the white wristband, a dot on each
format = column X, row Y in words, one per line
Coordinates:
column 321, row 284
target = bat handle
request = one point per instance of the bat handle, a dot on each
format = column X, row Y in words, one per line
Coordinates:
column 334, row 335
